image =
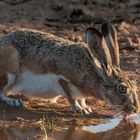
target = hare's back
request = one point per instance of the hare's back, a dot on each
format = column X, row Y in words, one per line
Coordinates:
column 50, row 53
column 33, row 38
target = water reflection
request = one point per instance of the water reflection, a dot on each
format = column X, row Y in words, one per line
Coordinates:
column 122, row 132
column 115, row 129
column 14, row 133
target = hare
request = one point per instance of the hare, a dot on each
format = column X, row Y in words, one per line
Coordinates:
column 38, row 64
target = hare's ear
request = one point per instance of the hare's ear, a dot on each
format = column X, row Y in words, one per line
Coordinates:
column 110, row 35
column 99, row 49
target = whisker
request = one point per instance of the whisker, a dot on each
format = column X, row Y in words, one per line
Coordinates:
column 116, row 106
column 118, row 114
column 118, row 109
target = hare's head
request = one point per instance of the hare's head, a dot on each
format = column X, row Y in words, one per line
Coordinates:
column 116, row 88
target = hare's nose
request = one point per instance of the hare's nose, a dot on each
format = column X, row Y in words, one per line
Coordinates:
column 134, row 109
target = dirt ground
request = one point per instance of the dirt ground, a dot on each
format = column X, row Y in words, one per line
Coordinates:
column 69, row 19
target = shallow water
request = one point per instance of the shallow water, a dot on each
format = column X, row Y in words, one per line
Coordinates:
column 114, row 129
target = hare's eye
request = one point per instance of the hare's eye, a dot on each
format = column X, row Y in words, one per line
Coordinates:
column 121, row 88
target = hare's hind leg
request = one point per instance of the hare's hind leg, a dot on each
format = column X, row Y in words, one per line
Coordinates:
column 11, row 101
column 10, row 67
column 11, row 79
column 76, row 107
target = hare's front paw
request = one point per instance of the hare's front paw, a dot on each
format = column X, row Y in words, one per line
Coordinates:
column 76, row 108
column 82, row 103
column 88, row 109
column 14, row 102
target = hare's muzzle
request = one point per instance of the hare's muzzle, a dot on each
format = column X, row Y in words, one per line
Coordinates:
column 130, row 109
column 133, row 106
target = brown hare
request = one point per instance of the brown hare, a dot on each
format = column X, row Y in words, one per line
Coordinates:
column 38, row 64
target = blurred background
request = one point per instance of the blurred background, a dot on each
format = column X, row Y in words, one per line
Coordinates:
column 70, row 18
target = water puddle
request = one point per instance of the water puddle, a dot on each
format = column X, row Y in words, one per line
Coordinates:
column 114, row 129
column 111, row 124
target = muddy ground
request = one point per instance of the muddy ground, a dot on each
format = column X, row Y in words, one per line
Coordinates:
column 69, row 19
